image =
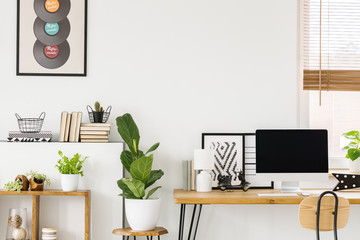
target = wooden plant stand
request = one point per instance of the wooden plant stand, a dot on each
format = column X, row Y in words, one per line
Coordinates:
column 158, row 231
column 36, row 206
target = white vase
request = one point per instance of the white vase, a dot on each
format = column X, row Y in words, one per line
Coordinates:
column 70, row 182
column 142, row 215
column 354, row 166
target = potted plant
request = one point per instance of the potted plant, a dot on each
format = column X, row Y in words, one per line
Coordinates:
column 24, row 182
column 37, row 180
column 70, row 170
column 98, row 113
column 15, row 185
column 353, row 151
column 142, row 212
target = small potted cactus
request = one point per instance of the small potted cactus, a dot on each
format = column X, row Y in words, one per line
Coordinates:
column 98, row 113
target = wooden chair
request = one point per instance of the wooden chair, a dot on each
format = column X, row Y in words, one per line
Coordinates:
column 158, row 231
column 334, row 213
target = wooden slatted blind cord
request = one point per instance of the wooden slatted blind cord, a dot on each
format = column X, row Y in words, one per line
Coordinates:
column 331, row 31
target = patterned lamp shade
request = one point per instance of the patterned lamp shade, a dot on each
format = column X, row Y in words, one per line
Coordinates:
column 204, row 159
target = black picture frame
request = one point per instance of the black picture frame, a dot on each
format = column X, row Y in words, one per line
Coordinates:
column 247, row 163
column 78, row 64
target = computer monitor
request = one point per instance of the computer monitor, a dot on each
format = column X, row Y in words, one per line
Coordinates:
column 291, row 156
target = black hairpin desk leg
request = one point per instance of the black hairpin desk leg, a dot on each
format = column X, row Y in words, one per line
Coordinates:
column 193, row 217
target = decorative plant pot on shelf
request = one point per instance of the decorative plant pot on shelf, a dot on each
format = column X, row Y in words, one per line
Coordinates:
column 36, row 185
column 25, row 182
column 70, row 182
column 142, row 215
column 354, row 166
column 100, row 116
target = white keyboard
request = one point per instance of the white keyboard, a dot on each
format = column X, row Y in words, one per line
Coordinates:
column 277, row 194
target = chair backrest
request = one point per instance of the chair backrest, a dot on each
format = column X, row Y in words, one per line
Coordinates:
column 308, row 208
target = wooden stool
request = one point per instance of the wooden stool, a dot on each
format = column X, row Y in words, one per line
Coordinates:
column 158, row 231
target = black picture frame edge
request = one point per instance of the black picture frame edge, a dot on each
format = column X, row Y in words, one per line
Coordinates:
column 51, row 74
column 235, row 134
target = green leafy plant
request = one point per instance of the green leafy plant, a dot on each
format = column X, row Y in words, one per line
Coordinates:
column 14, row 185
column 38, row 177
column 353, row 151
column 70, row 166
column 98, row 107
column 136, row 162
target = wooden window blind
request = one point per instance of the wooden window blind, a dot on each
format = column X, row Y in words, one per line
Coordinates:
column 331, row 32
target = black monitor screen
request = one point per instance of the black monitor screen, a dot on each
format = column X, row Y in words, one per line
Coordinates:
column 291, row 151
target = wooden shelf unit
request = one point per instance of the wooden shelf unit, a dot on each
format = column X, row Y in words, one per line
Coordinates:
column 52, row 192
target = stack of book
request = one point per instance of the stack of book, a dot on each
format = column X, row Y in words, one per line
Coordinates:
column 48, row 233
column 44, row 136
column 189, row 175
column 95, row 132
column 70, row 126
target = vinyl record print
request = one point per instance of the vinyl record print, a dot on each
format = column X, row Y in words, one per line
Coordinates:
column 51, row 57
column 51, row 33
column 52, row 11
column 51, row 38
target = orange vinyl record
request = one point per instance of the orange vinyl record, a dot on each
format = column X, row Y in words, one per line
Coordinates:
column 52, row 11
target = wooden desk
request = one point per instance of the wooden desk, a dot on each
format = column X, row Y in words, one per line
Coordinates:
column 235, row 197
column 36, row 206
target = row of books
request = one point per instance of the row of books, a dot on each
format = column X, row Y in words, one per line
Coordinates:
column 15, row 136
column 94, row 132
column 70, row 126
column 189, row 175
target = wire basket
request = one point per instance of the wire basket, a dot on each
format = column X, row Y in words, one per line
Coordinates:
column 30, row 125
column 98, row 117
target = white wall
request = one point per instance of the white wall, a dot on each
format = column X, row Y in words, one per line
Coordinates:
column 181, row 68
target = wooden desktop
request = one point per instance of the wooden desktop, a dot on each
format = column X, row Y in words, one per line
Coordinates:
column 184, row 198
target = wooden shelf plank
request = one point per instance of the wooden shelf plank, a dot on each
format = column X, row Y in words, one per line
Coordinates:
column 47, row 192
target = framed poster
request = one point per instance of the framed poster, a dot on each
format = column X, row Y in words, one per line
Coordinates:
column 51, row 38
column 235, row 153
column 229, row 160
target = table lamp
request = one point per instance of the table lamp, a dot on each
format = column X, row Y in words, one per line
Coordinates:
column 204, row 161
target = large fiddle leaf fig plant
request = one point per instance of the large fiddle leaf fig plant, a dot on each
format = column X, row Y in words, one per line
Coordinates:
column 353, row 151
column 136, row 162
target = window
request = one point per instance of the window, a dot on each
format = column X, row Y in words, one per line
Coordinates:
column 330, row 42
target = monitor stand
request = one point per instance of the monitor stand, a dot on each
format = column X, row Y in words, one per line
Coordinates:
column 290, row 186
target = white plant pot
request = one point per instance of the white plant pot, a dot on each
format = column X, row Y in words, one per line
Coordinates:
column 142, row 215
column 70, row 182
column 354, row 166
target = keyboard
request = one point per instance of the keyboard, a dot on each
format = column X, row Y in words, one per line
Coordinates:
column 277, row 194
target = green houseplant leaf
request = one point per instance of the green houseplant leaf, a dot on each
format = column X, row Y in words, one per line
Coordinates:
column 129, row 132
column 127, row 159
column 126, row 191
column 136, row 187
column 152, row 191
column 352, row 135
column 154, row 176
column 153, row 148
column 140, row 169
column 353, row 153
